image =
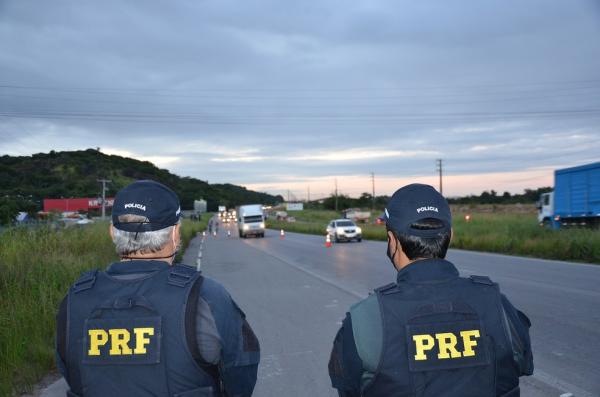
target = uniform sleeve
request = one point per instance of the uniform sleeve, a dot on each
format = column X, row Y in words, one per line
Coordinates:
column 240, row 350
column 345, row 365
column 61, row 338
column 518, row 328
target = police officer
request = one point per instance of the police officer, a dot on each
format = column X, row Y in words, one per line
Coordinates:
column 431, row 333
column 147, row 327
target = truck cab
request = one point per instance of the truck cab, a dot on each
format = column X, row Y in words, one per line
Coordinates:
column 545, row 207
column 251, row 220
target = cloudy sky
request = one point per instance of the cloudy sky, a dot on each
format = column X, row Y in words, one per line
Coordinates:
column 282, row 95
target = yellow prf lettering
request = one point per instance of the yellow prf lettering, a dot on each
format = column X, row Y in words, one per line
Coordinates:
column 422, row 343
column 469, row 343
column 119, row 338
column 140, row 339
column 98, row 337
column 447, row 344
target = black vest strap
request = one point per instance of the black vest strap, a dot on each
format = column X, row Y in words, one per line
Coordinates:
column 180, row 275
column 481, row 280
column 86, row 281
column 190, row 331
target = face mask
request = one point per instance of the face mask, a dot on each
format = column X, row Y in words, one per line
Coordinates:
column 389, row 253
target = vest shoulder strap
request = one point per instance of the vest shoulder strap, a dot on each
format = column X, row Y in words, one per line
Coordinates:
column 181, row 275
column 367, row 327
column 85, row 281
column 385, row 288
column 481, row 280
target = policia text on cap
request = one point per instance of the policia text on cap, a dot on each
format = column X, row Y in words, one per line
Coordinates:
column 431, row 333
column 147, row 327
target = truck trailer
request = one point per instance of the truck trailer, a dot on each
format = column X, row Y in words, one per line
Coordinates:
column 575, row 200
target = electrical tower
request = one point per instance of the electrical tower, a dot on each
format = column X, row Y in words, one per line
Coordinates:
column 104, row 182
column 438, row 164
column 373, row 191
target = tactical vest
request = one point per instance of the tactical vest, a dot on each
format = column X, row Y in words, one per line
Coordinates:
column 126, row 337
column 443, row 339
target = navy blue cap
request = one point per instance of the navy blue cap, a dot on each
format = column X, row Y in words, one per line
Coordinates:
column 152, row 200
column 413, row 203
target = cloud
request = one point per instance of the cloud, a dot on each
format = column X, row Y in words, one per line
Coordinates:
column 160, row 161
column 273, row 94
column 361, row 154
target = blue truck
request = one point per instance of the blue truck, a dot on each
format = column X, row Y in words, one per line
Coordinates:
column 575, row 200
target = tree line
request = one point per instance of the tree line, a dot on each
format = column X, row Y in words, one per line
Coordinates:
column 365, row 200
column 26, row 180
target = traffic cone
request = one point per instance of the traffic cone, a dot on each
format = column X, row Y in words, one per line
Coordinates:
column 204, row 233
column 215, row 233
column 327, row 241
column 229, row 233
column 282, row 234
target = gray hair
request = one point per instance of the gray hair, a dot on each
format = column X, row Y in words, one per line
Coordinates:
column 127, row 243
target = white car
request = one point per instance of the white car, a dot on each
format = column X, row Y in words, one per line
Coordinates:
column 344, row 230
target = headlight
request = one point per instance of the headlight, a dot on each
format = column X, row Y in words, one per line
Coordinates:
column 246, row 227
column 262, row 225
column 340, row 230
column 358, row 230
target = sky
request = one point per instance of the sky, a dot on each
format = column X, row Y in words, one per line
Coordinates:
column 294, row 97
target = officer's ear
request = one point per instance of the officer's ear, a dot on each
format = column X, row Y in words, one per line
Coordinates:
column 111, row 231
column 390, row 236
column 176, row 233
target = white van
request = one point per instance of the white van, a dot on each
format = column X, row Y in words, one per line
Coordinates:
column 251, row 220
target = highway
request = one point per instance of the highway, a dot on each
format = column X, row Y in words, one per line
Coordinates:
column 295, row 292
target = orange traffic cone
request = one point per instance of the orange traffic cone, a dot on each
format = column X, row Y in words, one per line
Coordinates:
column 327, row 241
column 282, row 234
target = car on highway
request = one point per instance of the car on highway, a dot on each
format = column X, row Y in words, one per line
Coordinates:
column 344, row 230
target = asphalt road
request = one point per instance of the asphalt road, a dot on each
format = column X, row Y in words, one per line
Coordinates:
column 295, row 292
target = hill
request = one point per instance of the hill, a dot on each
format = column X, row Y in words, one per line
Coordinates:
column 29, row 179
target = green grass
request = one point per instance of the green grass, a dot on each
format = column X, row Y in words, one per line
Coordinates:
column 516, row 234
column 36, row 268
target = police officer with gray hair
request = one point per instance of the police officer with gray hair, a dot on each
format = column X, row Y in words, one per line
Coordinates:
column 432, row 332
column 146, row 326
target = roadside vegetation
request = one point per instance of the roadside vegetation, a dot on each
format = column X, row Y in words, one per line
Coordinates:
column 37, row 265
column 500, row 232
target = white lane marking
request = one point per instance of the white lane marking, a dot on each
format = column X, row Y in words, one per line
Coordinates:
column 324, row 279
column 199, row 259
column 559, row 384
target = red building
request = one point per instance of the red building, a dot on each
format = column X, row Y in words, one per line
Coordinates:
column 75, row 204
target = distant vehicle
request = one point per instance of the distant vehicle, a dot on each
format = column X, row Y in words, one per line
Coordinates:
column 71, row 219
column 575, row 200
column 251, row 220
column 380, row 220
column 281, row 215
column 357, row 215
column 344, row 230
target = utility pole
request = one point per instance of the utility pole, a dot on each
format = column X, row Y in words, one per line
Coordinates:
column 288, row 200
column 104, row 182
column 308, row 194
column 438, row 163
column 336, row 195
column 373, row 189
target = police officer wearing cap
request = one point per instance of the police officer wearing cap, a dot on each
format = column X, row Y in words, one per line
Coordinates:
column 146, row 326
column 431, row 333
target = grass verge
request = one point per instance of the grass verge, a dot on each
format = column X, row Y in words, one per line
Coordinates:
column 36, row 268
column 515, row 234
